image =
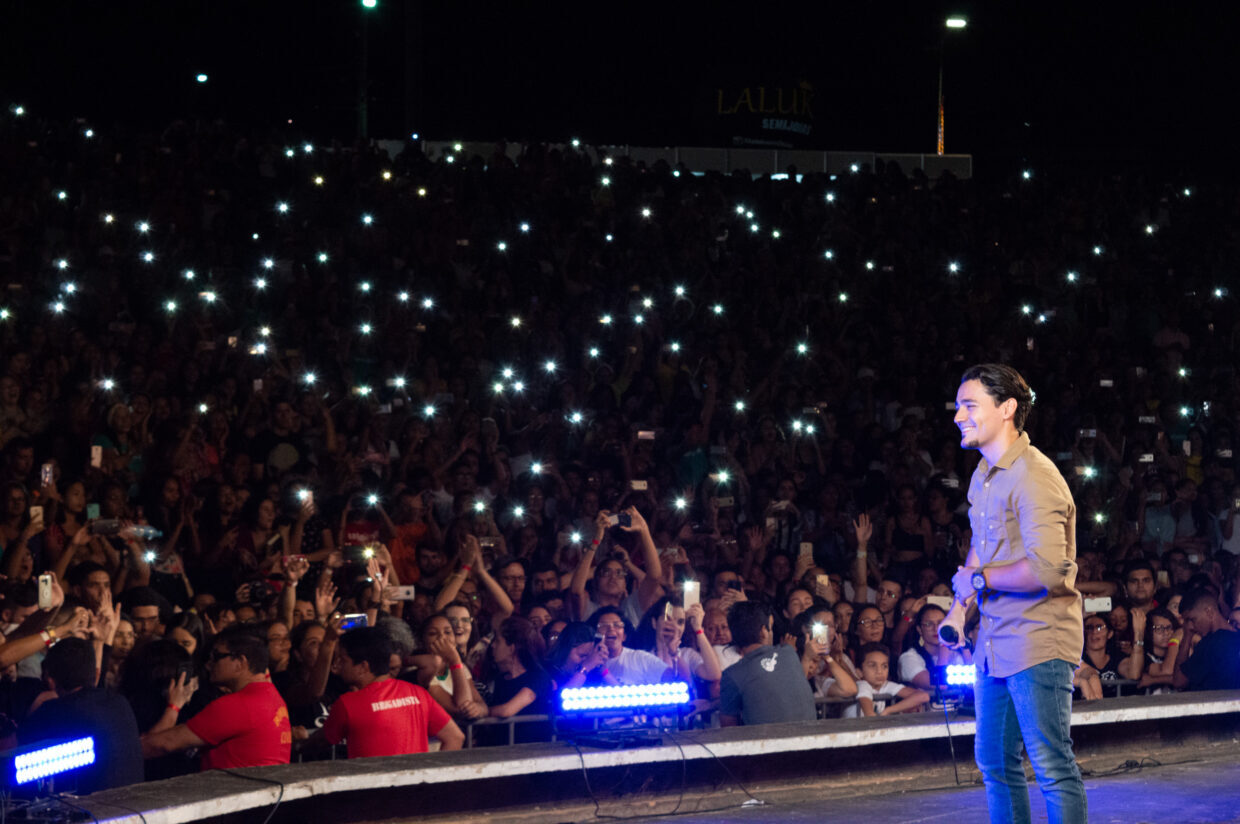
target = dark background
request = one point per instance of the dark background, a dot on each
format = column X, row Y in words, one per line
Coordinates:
column 1082, row 85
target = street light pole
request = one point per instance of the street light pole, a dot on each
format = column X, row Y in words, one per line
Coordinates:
column 363, row 73
column 953, row 24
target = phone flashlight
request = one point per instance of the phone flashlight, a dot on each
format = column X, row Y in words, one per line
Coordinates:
column 372, row 499
column 536, row 468
column 149, row 556
column 303, row 494
column 368, row 552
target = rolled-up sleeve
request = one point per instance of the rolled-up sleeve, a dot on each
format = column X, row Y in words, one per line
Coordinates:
column 1046, row 518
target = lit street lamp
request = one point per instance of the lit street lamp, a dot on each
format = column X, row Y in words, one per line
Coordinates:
column 953, row 23
column 363, row 80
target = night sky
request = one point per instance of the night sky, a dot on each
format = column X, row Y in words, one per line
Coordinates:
column 1141, row 86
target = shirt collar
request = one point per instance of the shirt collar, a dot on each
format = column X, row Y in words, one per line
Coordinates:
column 1013, row 452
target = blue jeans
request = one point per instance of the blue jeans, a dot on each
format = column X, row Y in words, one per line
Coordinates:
column 1033, row 706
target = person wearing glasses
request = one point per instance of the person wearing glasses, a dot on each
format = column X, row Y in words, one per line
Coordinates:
column 625, row 664
column 246, row 727
column 923, row 651
column 1156, row 669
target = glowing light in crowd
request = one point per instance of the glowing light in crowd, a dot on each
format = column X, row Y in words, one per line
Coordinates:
column 953, row 267
column 829, row 254
column 318, row 180
column 502, row 246
column 549, row 367
column 62, row 264
column 144, row 227
column 170, row 306
column 680, row 503
column 525, row 228
column 282, row 207
column 268, row 263
column 428, row 303
column 367, row 220
column 1072, row 277
column 322, row 257
column 1027, row 174
column 739, row 406
column 717, row 309
column 403, row 297
column 107, row 384
column 202, row 78
column 514, row 322
column 843, row 297
column 802, row 348
column 149, row 257
column 869, row 266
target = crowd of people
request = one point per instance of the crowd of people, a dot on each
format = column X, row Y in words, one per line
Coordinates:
column 302, row 444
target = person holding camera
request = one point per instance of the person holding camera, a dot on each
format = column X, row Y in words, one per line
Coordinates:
column 610, row 584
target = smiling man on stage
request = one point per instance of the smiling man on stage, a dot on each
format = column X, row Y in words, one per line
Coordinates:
column 1022, row 569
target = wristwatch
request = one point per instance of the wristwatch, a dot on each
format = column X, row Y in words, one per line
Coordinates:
column 978, row 580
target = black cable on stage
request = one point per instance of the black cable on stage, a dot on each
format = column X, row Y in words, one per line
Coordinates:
column 60, row 799
column 279, row 784
column 951, row 744
column 731, row 775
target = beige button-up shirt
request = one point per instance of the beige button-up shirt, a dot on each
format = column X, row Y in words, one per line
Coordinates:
column 1021, row 508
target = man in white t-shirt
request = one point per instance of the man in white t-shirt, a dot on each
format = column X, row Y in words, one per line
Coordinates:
column 628, row 666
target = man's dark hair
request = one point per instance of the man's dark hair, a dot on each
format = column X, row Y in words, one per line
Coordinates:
column 1198, row 597
column 146, row 597
column 1002, row 382
column 71, row 664
column 243, row 640
column 1137, row 564
column 369, row 645
column 866, row 649
column 746, row 620
column 598, row 614
column 78, row 575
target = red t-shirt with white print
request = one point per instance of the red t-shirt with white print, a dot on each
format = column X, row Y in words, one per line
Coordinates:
column 385, row 717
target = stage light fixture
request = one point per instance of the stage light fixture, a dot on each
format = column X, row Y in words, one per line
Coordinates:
column 668, row 696
column 42, row 761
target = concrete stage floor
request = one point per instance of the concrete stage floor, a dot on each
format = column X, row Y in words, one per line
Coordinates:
column 1186, row 793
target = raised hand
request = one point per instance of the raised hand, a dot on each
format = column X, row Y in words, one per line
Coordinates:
column 865, row 530
column 181, row 689
column 325, row 600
